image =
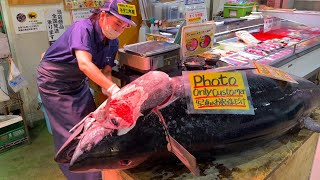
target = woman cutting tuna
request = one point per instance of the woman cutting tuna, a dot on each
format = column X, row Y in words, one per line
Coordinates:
column 86, row 47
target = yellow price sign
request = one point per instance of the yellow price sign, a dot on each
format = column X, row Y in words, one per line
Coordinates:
column 219, row 91
column 275, row 73
column 127, row 9
column 156, row 37
column 193, row 20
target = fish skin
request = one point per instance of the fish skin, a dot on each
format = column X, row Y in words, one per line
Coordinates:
column 279, row 107
column 109, row 119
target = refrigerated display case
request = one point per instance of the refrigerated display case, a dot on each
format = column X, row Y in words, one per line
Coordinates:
column 287, row 45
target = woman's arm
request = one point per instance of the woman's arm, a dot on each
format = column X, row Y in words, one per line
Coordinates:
column 91, row 70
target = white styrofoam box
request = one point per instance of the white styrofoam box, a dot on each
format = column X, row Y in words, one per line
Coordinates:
column 6, row 120
column 232, row 44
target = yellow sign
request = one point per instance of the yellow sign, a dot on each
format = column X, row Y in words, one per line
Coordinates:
column 272, row 72
column 219, row 91
column 156, row 37
column 127, row 9
column 192, row 20
column 196, row 39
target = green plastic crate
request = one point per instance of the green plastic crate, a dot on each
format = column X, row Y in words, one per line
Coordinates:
column 17, row 132
column 237, row 10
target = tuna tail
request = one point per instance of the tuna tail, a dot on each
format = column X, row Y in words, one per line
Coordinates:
column 311, row 124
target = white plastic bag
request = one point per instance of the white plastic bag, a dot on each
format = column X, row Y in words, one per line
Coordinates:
column 15, row 80
column 4, row 46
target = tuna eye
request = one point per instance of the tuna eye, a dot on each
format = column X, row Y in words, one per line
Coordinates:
column 125, row 162
column 114, row 121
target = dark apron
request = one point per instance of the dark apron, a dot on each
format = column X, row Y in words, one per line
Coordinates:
column 66, row 96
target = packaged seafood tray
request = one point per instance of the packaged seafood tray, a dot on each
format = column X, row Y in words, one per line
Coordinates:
column 307, row 44
column 246, row 37
column 255, row 51
column 243, row 56
column 234, row 62
column 240, row 58
column 232, row 44
column 265, row 48
column 216, row 51
column 279, row 55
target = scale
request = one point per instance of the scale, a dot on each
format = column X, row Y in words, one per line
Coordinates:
column 150, row 55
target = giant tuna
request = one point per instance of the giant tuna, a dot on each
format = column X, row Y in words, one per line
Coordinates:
column 125, row 130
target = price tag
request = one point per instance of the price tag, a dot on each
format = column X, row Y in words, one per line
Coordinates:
column 196, row 16
column 197, row 38
column 127, row 9
column 268, row 22
column 275, row 73
column 218, row 93
column 190, row 2
column 156, row 37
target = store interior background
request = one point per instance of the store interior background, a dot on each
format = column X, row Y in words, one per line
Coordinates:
column 27, row 48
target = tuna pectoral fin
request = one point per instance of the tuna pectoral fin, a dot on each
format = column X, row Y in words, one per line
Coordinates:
column 184, row 156
column 311, row 124
column 173, row 146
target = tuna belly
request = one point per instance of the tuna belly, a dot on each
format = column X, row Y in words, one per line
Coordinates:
column 199, row 132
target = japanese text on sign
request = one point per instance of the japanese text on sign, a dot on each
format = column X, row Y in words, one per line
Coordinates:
column 127, row 9
column 219, row 92
column 196, row 15
column 54, row 24
column 78, row 14
column 272, row 72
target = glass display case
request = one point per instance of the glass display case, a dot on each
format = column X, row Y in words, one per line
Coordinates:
column 281, row 42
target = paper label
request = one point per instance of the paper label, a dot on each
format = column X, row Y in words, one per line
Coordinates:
column 127, row 9
column 27, row 20
column 54, row 21
column 196, row 16
column 218, row 93
column 78, row 14
column 189, row 2
column 275, row 73
column 197, row 39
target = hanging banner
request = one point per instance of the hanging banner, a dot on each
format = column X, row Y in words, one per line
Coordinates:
column 55, row 26
column 28, row 20
column 217, row 92
column 77, row 14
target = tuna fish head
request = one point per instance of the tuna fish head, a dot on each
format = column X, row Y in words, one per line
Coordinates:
column 113, row 122
column 117, row 115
